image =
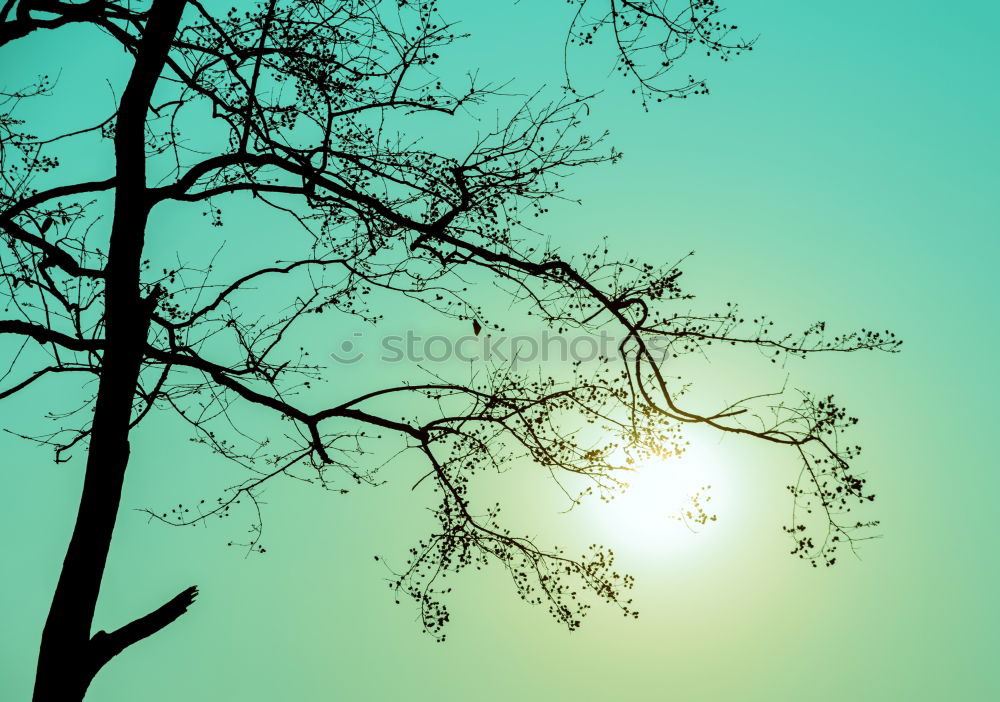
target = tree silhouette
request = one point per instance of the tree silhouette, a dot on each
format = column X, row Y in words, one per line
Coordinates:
column 302, row 107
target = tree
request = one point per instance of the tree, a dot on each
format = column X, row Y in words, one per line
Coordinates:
column 305, row 107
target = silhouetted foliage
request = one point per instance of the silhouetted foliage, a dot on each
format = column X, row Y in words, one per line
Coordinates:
column 302, row 106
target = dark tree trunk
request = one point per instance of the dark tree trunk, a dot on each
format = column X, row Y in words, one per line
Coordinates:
column 69, row 658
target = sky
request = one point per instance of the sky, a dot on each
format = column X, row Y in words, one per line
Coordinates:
column 840, row 171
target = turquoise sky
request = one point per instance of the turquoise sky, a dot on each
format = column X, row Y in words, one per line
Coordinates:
column 842, row 171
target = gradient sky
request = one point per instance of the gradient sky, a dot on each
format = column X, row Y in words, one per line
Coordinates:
column 841, row 171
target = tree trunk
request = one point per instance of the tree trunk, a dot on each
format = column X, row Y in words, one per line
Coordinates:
column 69, row 658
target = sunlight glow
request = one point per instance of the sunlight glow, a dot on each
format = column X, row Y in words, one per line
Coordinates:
column 668, row 507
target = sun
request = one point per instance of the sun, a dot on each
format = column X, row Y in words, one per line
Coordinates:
column 667, row 504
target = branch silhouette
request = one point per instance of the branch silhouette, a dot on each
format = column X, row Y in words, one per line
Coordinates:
column 105, row 646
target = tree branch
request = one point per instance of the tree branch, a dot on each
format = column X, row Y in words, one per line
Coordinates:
column 105, row 646
column 53, row 253
column 52, row 193
column 44, row 335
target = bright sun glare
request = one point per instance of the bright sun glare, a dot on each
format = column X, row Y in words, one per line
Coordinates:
column 658, row 513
